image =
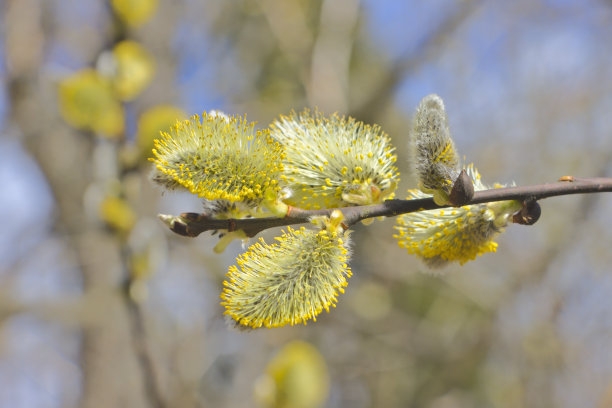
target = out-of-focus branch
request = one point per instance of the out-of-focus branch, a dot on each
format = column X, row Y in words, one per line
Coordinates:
column 369, row 109
column 31, row 90
column 193, row 224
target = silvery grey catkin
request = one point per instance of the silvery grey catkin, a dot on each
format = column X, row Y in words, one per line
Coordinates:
column 434, row 156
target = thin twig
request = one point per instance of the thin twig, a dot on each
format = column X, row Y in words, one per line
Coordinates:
column 193, row 224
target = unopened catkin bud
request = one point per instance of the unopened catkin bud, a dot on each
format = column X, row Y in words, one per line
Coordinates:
column 434, row 156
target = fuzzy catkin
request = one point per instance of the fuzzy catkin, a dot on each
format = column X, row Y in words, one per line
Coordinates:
column 218, row 158
column 454, row 234
column 289, row 282
column 334, row 161
column 434, row 156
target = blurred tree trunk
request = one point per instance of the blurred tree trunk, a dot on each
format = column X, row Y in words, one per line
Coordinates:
column 110, row 374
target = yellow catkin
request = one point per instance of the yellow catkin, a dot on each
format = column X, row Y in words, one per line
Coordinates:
column 334, row 161
column 458, row 235
column 87, row 101
column 289, row 282
column 218, row 158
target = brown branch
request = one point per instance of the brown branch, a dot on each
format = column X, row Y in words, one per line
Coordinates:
column 193, row 224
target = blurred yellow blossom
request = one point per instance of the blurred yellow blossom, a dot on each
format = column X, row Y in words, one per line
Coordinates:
column 134, row 12
column 134, row 69
column 118, row 214
column 296, row 377
column 152, row 122
column 140, row 271
column 87, row 101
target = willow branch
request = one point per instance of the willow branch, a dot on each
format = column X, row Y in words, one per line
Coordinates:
column 193, row 224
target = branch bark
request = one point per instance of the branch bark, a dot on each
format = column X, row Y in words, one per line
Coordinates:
column 193, row 224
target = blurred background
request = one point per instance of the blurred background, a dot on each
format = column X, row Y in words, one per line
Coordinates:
column 102, row 306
